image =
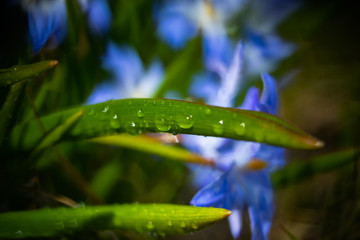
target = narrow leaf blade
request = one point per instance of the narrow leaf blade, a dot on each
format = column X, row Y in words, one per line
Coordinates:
column 142, row 218
column 299, row 171
column 150, row 145
column 173, row 116
column 18, row 73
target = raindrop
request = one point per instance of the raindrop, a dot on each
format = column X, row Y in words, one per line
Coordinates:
column 161, row 123
column 240, row 129
column 106, row 109
column 115, row 122
column 219, row 127
column 207, row 111
column 140, row 113
column 91, row 112
column 133, row 129
column 15, row 69
column 185, row 121
column 19, row 233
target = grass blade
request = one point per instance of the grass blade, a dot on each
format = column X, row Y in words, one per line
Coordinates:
column 163, row 115
column 17, row 73
column 142, row 218
column 150, row 145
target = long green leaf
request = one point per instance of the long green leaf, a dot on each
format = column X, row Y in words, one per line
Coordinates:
column 162, row 115
column 142, row 218
column 298, row 171
column 8, row 109
column 58, row 132
column 150, row 145
column 21, row 72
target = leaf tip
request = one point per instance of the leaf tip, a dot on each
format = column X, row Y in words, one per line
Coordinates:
column 53, row 63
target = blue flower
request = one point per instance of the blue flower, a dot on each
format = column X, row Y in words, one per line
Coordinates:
column 242, row 177
column 99, row 16
column 128, row 76
column 47, row 20
column 178, row 21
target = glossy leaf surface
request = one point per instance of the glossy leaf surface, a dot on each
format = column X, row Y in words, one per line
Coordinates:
column 137, row 116
column 142, row 218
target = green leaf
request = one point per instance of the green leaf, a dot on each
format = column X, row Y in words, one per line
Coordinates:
column 21, row 72
column 298, row 171
column 173, row 116
column 8, row 109
column 56, row 134
column 142, row 218
column 151, row 145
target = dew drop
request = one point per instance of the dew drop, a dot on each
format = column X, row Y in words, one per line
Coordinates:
column 161, row 123
column 15, row 69
column 169, row 223
column 207, row 111
column 115, row 122
column 91, row 112
column 140, row 113
column 240, row 129
column 185, row 121
column 133, row 129
column 219, row 127
column 106, row 109
column 183, row 224
column 19, row 233
column 150, row 226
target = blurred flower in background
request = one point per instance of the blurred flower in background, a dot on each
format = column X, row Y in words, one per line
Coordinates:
column 179, row 21
column 128, row 76
column 48, row 20
column 265, row 49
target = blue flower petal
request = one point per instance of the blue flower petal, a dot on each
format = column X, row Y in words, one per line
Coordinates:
column 204, row 85
column 47, row 24
column 251, row 100
column 105, row 91
column 151, row 80
column 174, row 27
column 269, row 96
column 220, row 193
column 217, row 49
column 99, row 16
column 235, row 222
column 125, row 65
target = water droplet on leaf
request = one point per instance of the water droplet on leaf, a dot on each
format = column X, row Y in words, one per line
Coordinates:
column 240, row 129
column 140, row 113
column 219, row 127
column 161, row 123
column 185, row 121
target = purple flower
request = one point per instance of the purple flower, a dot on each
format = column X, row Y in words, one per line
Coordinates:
column 128, row 76
column 48, row 20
